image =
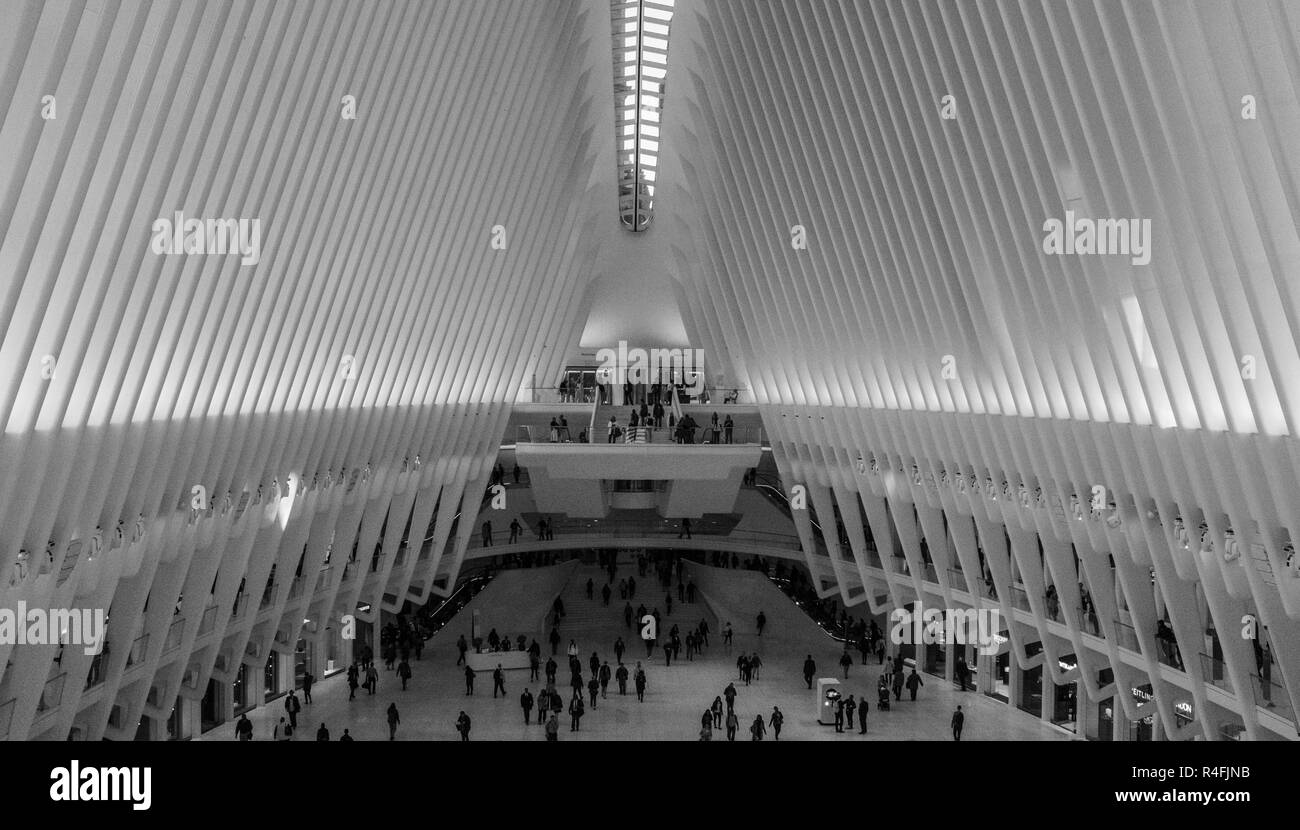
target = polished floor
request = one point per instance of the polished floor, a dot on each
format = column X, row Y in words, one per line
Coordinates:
column 675, row 699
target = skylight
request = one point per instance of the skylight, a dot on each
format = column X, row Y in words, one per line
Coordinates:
column 640, row 29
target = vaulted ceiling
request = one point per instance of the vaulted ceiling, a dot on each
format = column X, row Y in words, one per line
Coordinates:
column 849, row 219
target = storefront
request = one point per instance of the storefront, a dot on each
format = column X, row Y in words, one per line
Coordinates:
column 239, row 697
column 271, row 686
column 1031, row 691
column 303, row 661
column 1142, row 729
column 179, row 726
column 1000, row 686
column 1065, row 707
column 212, row 709
column 1031, row 684
column 1105, row 720
column 334, row 650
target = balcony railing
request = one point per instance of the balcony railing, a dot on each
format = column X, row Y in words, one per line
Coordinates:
column 95, row 675
column 615, row 529
column 1126, row 637
column 138, row 649
column 52, row 694
column 1020, row 599
column 7, row 716
column 209, row 620
column 543, row 434
column 1272, row 696
column 175, row 633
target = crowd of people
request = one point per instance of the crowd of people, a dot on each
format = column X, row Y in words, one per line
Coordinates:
column 684, row 430
column 589, row 681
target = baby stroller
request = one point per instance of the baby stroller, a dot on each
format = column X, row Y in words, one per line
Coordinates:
column 883, row 699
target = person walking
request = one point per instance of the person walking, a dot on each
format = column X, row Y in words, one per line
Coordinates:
column 393, row 720
column 307, row 680
column 404, row 673
column 716, row 708
column 898, row 681
column 345, row 737
column 757, row 729
column 293, row 707
column 685, row 531
column 463, row 725
column 352, row 682
column 914, row 682
column 593, row 689
column 762, row 622
column 733, row 723
column 526, row 703
column 726, row 637
column 777, row 718
column 605, row 674
column 555, row 641
column 809, row 669
column 498, row 682
column 515, row 527
column 462, row 647
column 845, row 662
column 244, row 728
column 469, row 679
column 619, row 648
column 730, row 694
column 576, row 711
column 553, row 729
column 620, row 674
column 958, row 721
column 372, row 678
column 640, row 683
column 322, row 734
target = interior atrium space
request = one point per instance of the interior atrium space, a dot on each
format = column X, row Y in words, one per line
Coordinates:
column 849, row 371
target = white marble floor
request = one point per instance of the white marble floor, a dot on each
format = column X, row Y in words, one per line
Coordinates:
column 675, row 699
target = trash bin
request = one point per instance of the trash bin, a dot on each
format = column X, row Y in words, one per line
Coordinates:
column 828, row 695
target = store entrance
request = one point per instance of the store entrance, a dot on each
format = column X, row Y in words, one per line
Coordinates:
column 271, row 678
column 1066, row 706
column 211, row 708
column 1106, row 719
column 1001, row 681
